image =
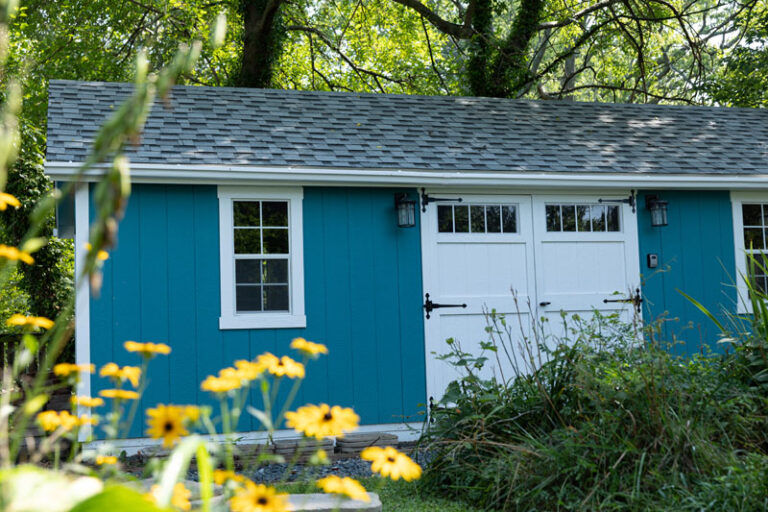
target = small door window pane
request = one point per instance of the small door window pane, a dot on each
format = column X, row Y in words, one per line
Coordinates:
column 553, row 217
column 477, row 218
column 461, row 219
column 582, row 218
column 275, row 241
column 247, row 241
column 509, row 219
column 569, row 217
column 445, row 218
column 276, row 298
column 248, row 271
column 248, row 298
column 598, row 217
column 477, row 213
column 612, row 218
column 247, row 213
column 494, row 219
column 275, row 213
column 275, row 271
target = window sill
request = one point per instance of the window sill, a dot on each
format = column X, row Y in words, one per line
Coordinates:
column 263, row 321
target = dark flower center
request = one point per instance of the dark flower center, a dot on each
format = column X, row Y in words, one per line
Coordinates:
column 279, row 363
column 328, row 416
column 262, row 500
column 390, row 459
column 168, row 426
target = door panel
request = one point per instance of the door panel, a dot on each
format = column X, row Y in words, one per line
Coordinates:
column 531, row 273
column 480, row 270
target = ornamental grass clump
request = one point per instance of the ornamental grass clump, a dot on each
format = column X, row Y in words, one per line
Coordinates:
column 601, row 422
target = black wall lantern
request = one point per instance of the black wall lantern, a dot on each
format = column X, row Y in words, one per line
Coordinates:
column 406, row 211
column 658, row 209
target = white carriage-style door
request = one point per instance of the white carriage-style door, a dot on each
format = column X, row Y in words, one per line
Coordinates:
column 586, row 258
column 522, row 256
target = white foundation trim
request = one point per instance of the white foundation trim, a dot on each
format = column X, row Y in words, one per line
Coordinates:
column 82, row 299
column 237, row 174
column 404, row 432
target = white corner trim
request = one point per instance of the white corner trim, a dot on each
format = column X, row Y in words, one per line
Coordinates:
column 743, row 304
column 234, row 174
column 296, row 318
column 404, row 431
column 82, row 299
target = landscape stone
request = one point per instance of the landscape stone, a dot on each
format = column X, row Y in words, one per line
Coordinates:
column 318, row 502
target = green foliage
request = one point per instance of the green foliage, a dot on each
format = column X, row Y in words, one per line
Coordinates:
column 741, row 80
column 118, row 499
column 602, row 423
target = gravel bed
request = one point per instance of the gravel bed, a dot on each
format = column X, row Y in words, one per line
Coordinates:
column 353, row 467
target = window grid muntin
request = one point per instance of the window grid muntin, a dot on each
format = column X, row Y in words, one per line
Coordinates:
column 486, row 206
column 578, row 220
column 262, row 256
column 759, row 280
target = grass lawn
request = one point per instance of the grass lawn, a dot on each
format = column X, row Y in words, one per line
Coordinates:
column 396, row 496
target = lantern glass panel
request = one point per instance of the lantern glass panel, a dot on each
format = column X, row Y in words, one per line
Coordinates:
column 659, row 213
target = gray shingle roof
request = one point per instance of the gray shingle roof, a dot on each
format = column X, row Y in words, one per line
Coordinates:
column 254, row 127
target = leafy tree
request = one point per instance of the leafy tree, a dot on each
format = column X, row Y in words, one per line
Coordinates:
column 742, row 80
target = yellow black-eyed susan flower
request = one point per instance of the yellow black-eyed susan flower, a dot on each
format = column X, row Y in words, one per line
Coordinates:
column 346, row 486
column 129, row 373
column 67, row 369
column 7, row 200
column 391, row 463
column 106, row 460
column 166, row 422
column 321, row 421
column 148, row 349
column 179, row 498
column 40, row 322
column 119, row 394
column 258, row 498
column 52, row 420
column 220, row 384
column 281, row 366
column 14, row 254
column 309, row 348
column 87, row 401
column 221, row 476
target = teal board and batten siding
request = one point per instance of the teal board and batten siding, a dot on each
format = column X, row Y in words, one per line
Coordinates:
column 696, row 256
column 363, row 299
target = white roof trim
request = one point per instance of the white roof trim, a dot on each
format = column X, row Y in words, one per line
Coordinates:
column 234, row 175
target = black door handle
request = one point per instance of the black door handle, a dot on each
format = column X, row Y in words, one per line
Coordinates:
column 544, row 303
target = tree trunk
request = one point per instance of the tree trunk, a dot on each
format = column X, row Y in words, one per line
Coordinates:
column 263, row 34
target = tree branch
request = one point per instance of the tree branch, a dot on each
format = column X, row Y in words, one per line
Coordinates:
column 464, row 31
column 577, row 15
column 357, row 69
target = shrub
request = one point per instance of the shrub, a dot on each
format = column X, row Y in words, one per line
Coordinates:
column 603, row 422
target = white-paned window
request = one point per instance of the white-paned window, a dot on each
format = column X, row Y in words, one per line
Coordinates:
column 750, row 234
column 583, row 218
column 262, row 265
column 477, row 218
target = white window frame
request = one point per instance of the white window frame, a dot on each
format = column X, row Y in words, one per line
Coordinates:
column 744, row 305
column 230, row 318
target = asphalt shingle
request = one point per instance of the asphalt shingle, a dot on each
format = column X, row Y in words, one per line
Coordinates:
column 264, row 127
